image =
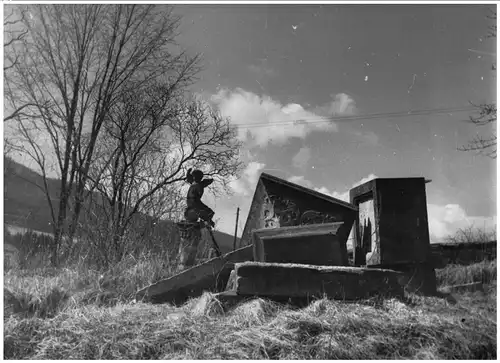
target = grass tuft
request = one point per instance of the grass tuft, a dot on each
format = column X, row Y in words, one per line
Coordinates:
column 484, row 271
column 78, row 314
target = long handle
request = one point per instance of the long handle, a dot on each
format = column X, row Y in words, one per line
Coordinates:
column 217, row 249
column 236, row 227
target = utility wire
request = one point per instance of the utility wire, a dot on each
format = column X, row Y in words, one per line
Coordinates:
column 361, row 117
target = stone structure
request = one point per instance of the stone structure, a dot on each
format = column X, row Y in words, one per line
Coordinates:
column 279, row 203
column 281, row 280
column 299, row 237
column 392, row 229
column 190, row 237
column 316, row 244
column 211, row 275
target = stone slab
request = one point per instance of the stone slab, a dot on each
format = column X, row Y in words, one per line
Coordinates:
column 392, row 225
column 417, row 278
column 300, row 281
column 471, row 287
column 279, row 203
column 211, row 275
column 231, row 282
column 316, row 244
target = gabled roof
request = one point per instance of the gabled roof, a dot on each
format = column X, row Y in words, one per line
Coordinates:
column 313, row 193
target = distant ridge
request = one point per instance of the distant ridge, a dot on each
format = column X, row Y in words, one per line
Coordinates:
column 25, row 205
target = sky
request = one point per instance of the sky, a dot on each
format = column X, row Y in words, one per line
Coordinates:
column 325, row 96
column 310, row 78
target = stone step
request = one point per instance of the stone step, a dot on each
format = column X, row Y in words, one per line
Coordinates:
column 209, row 276
column 316, row 244
column 299, row 280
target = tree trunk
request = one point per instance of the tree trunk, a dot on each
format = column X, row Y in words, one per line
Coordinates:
column 59, row 228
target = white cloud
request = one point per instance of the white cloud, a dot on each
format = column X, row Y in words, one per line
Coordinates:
column 245, row 185
column 264, row 120
column 446, row 220
column 364, row 180
column 301, row 180
column 301, row 159
column 342, row 104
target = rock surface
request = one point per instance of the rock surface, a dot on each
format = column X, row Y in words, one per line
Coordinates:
column 298, row 280
column 209, row 276
column 316, row 244
column 392, row 226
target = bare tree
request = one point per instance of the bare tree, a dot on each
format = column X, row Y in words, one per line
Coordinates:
column 14, row 33
column 152, row 137
column 486, row 145
column 471, row 234
column 487, row 114
column 69, row 70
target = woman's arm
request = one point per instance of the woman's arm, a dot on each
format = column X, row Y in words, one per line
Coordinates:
column 189, row 176
column 206, row 182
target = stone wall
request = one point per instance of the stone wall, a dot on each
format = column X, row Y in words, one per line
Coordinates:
column 315, row 244
column 464, row 253
column 457, row 253
column 392, row 226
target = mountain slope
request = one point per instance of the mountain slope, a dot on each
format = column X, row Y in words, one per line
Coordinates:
column 26, row 206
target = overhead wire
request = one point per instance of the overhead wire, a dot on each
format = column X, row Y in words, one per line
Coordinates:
column 329, row 119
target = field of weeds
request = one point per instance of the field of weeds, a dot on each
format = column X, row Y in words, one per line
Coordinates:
column 69, row 316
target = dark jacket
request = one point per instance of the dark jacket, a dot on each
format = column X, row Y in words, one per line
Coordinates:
column 195, row 192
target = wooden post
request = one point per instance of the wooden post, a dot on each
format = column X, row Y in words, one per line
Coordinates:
column 236, row 227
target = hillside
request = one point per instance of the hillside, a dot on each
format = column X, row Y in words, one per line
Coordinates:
column 25, row 204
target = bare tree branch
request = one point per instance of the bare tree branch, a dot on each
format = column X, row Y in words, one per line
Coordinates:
column 485, row 145
column 69, row 67
column 154, row 135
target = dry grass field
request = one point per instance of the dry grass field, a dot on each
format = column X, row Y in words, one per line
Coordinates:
column 72, row 314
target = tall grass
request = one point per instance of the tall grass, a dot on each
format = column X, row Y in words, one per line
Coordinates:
column 484, row 271
column 46, row 291
column 92, row 317
column 257, row 329
column 472, row 234
column 82, row 312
